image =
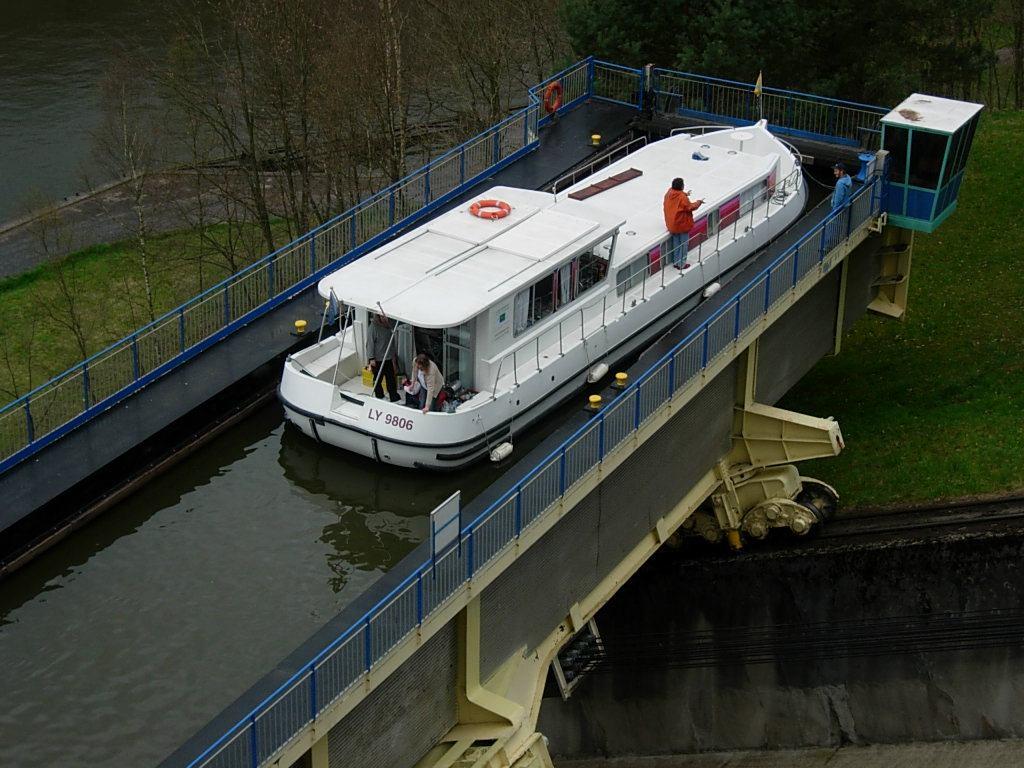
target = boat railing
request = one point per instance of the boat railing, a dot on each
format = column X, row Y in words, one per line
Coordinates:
column 528, row 353
column 702, row 129
column 601, row 161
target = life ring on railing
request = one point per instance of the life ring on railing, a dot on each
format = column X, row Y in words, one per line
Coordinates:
column 552, row 97
column 490, row 209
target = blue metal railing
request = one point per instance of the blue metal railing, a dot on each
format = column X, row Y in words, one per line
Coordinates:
column 789, row 112
column 366, row 643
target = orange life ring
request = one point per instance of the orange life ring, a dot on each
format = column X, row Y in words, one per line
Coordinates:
column 490, row 209
column 552, row 97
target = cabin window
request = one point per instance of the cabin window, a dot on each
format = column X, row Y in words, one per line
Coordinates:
column 926, row 152
column 632, row 274
column 534, row 303
column 729, row 212
column 896, row 143
column 591, row 269
column 458, row 356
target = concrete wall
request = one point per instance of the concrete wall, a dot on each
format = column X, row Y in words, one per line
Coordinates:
column 406, row 715
column 813, row 701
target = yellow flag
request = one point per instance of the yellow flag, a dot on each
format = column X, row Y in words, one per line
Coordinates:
column 757, row 85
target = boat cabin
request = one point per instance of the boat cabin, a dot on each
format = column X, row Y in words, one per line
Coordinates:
column 472, row 292
column 464, row 289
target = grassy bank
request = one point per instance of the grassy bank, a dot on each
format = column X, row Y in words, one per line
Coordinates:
column 99, row 292
column 933, row 407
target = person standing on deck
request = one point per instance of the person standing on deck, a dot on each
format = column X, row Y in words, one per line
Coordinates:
column 844, row 187
column 382, row 356
column 679, row 220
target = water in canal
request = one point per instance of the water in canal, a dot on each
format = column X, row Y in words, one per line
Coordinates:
column 123, row 640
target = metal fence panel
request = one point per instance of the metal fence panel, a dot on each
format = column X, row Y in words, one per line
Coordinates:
column 539, row 492
column 340, row 669
column 282, row 719
column 687, row 361
column 721, row 332
column 583, row 454
column 616, row 83
column 618, row 422
column 654, row 392
column 236, row 752
column 441, row 580
column 394, row 621
column 492, row 533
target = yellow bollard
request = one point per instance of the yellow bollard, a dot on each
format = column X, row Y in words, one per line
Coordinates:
column 594, row 403
column 595, row 139
column 733, row 537
column 621, row 379
column 300, row 327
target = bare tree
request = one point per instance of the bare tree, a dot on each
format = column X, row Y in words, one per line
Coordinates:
column 126, row 146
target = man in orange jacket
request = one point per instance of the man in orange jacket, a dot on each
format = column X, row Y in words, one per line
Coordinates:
column 679, row 220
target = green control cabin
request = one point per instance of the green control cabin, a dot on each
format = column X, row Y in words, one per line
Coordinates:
column 929, row 140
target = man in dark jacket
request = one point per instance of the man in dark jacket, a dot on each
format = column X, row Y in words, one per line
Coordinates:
column 381, row 350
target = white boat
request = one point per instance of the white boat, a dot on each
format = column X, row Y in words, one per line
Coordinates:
column 516, row 311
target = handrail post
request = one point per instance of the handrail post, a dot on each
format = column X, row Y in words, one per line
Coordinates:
column 271, row 283
column 312, row 254
column 767, row 290
column 736, row 326
column 469, row 552
column 796, row 262
column 462, row 164
column 85, row 385
column 561, row 472
column 636, row 409
column 312, row 691
column 227, row 306
column 671, row 375
column 30, row 428
column 419, row 599
column 181, row 328
column 367, row 646
column 254, row 744
column 704, row 353
column 135, row 356
column 426, row 186
column 519, row 513
column 600, row 436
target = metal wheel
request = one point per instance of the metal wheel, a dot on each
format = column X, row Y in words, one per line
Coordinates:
column 819, row 498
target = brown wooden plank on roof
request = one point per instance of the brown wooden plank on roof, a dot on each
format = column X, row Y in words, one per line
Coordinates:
column 605, row 184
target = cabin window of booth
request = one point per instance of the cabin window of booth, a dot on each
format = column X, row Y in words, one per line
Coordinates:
column 926, row 153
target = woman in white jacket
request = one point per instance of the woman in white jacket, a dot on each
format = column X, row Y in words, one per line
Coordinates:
column 431, row 381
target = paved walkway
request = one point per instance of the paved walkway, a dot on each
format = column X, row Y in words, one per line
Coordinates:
column 962, row 754
column 103, row 215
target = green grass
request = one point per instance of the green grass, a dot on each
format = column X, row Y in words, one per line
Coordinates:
column 933, row 407
column 107, row 281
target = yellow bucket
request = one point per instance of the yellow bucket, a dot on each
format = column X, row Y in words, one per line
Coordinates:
column 367, row 377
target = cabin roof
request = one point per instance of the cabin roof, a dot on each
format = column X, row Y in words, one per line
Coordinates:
column 932, row 112
column 454, row 267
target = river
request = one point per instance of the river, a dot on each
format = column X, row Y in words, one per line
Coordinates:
column 53, row 58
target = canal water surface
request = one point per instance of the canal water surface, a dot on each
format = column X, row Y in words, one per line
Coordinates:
column 123, row 640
